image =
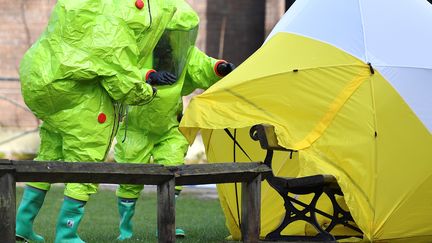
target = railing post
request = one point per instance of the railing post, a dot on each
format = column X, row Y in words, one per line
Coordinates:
column 7, row 206
column 251, row 210
column 166, row 211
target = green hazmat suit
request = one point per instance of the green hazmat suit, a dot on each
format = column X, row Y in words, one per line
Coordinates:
column 151, row 131
column 76, row 78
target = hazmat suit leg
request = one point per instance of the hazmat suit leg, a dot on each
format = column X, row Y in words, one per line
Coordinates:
column 127, row 193
column 171, row 148
column 85, row 139
column 170, row 151
column 34, row 193
column 136, row 148
column 50, row 150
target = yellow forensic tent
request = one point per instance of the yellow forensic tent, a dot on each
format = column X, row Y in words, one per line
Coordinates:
column 347, row 83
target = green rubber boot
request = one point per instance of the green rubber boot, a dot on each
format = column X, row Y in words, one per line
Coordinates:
column 71, row 213
column 126, row 208
column 31, row 203
column 180, row 233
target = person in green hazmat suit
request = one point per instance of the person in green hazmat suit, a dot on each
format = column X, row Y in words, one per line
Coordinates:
column 76, row 78
column 150, row 133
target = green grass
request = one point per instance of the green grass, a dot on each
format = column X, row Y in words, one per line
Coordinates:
column 202, row 219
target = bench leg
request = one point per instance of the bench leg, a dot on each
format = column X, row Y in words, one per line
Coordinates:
column 166, row 212
column 251, row 210
column 7, row 207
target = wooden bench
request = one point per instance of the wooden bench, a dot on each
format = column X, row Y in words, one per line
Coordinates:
column 250, row 174
column 317, row 185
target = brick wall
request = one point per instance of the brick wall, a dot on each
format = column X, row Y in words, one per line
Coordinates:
column 21, row 22
column 14, row 112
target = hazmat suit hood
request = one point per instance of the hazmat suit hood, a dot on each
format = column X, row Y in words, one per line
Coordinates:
column 172, row 50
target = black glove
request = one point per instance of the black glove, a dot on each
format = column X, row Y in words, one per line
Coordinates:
column 224, row 68
column 161, row 78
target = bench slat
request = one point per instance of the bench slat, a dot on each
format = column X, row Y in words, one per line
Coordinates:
column 218, row 173
column 55, row 172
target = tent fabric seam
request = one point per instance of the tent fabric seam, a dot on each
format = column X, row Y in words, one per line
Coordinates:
column 332, row 111
column 375, row 144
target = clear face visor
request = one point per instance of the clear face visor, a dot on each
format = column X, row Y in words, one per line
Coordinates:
column 172, row 50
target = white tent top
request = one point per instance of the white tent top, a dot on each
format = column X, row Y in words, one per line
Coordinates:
column 395, row 36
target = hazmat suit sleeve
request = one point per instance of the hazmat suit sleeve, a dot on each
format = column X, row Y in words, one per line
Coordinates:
column 121, row 77
column 102, row 47
column 200, row 72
